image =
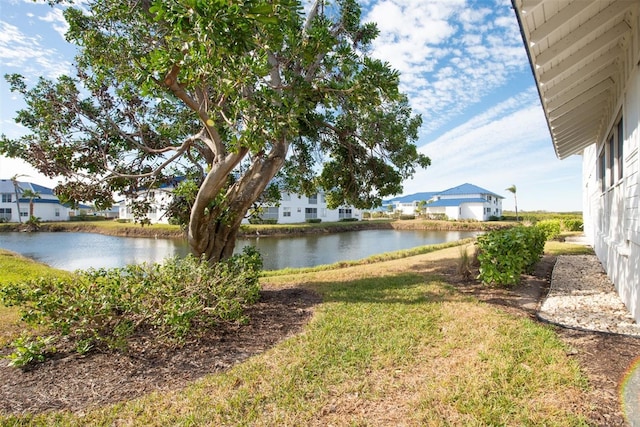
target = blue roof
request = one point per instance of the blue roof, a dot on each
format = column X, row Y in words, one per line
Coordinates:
column 455, row 202
column 40, row 189
column 465, row 189
column 417, row 197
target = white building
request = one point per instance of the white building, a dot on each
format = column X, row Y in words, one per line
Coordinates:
column 466, row 201
column 293, row 208
column 585, row 58
column 47, row 207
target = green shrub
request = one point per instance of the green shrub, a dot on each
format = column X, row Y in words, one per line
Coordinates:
column 28, row 350
column 348, row 219
column 572, row 224
column 102, row 308
column 313, row 220
column 407, row 217
column 263, row 221
column 88, row 218
column 550, row 227
column 505, row 254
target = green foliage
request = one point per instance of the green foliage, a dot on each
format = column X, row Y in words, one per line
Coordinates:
column 263, row 221
column 102, row 308
column 407, row 217
column 550, row 227
column 348, row 220
column 28, row 350
column 572, row 224
column 33, row 223
column 313, row 220
column 81, row 218
column 505, row 254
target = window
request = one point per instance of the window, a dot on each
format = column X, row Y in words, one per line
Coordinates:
column 310, row 213
column 5, row 214
column 620, row 151
column 602, row 171
column 57, row 212
column 611, row 159
column 313, row 200
column 344, row 213
column 286, row 211
column 611, row 151
column 271, row 212
column 24, row 212
column 6, row 197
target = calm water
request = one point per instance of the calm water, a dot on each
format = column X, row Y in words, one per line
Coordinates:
column 71, row 251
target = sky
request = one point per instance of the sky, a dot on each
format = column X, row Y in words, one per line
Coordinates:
column 463, row 66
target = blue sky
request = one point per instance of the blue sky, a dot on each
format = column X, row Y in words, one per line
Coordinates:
column 462, row 64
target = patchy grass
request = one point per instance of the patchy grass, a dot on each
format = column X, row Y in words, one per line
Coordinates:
column 562, row 248
column 391, row 344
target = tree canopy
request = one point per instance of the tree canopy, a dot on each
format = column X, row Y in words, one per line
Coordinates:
column 226, row 94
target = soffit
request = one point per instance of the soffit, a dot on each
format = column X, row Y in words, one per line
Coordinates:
column 576, row 52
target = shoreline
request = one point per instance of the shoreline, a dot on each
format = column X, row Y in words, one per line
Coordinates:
column 112, row 228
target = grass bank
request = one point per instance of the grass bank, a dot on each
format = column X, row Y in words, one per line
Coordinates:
column 115, row 228
column 392, row 343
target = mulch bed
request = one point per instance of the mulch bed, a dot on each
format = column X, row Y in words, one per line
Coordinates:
column 74, row 382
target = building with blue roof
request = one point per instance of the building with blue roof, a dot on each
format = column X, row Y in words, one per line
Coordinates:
column 46, row 206
column 466, row 201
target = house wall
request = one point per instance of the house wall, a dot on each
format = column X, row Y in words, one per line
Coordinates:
column 292, row 209
column 612, row 216
column 295, row 208
column 473, row 211
column 45, row 210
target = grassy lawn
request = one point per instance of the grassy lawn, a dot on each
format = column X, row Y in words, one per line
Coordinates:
column 391, row 344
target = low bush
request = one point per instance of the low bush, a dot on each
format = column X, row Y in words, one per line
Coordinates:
column 572, row 224
column 347, row 219
column 550, row 228
column 505, row 254
column 406, row 217
column 263, row 221
column 102, row 308
column 87, row 218
column 313, row 220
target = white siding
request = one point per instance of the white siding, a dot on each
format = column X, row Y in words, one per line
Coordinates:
column 612, row 217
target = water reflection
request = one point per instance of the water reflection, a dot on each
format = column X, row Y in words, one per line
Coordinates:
column 71, row 251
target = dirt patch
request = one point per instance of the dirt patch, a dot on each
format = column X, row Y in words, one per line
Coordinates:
column 77, row 383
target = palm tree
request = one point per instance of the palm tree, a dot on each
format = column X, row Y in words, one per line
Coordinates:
column 512, row 189
column 31, row 195
column 18, row 190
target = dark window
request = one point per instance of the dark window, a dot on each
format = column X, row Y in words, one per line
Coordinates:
column 620, row 152
column 602, row 171
column 612, row 160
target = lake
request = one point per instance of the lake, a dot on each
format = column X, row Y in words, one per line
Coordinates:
column 71, row 251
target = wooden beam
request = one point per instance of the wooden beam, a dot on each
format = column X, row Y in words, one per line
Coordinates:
column 559, row 19
column 611, row 12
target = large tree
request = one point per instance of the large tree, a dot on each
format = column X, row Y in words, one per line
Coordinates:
column 227, row 94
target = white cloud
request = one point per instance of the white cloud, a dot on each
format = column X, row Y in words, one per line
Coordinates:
column 57, row 19
column 28, row 55
column 450, row 53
